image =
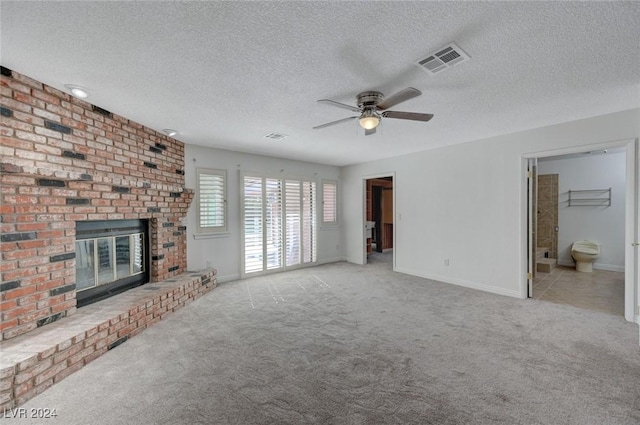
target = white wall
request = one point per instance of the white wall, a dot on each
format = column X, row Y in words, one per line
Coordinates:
column 602, row 224
column 467, row 203
column 224, row 251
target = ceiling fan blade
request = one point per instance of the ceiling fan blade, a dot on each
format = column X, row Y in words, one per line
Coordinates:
column 414, row 116
column 333, row 123
column 369, row 132
column 401, row 96
column 339, row 105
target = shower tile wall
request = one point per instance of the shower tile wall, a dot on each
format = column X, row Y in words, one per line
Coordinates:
column 548, row 213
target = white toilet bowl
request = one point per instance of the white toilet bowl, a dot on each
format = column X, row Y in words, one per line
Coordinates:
column 585, row 253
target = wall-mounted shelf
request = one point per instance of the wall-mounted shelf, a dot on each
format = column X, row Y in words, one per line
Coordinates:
column 590, row 198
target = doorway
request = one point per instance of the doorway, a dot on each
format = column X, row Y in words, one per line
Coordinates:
column 567, row 204
column 379, row 219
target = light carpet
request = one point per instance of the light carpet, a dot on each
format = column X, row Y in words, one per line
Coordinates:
column 348, row 344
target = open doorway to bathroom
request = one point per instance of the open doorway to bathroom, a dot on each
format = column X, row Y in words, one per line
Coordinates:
column 379, row 220
column 581, row 197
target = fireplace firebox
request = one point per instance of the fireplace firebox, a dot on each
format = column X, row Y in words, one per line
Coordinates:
column 111, row 257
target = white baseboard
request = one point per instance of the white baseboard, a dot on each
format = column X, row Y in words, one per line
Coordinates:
column 608, row 267
column 353, row 260
column 236, row 276
column 462, row 282
column 330, row 260
column 228, row 278
column 597, row 266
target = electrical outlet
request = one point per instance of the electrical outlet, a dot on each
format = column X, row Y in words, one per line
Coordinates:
column 446, row 262
column 208, row 264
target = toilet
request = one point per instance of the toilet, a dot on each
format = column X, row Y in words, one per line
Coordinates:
column 585, row 253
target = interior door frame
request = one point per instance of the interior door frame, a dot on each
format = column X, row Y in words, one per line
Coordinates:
column 632, row 219
column 532, row 222
column 391, row 174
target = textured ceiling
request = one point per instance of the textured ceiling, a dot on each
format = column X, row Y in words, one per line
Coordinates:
column 225, row 74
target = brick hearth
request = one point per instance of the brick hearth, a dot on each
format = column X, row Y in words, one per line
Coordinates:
column 33, row 362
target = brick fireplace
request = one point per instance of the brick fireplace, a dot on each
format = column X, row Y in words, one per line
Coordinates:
column 64, row 161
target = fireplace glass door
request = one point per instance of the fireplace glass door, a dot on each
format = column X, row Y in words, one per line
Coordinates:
column 116, row 258
column 110, row 257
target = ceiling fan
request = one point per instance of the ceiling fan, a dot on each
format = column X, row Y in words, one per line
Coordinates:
column 370, row 103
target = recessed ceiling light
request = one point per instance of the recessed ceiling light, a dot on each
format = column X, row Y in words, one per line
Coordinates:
column 77, row 91
column 169, row 132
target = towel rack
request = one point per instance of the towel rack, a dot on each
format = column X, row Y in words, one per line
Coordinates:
column 590, row 198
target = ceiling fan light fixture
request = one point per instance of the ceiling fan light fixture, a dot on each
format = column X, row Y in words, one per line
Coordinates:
column 369, row 120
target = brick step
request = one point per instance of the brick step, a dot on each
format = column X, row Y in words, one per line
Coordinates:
column 546, row 265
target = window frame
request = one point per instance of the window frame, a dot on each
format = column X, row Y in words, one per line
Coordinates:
column 335, row 221
column 210, row 230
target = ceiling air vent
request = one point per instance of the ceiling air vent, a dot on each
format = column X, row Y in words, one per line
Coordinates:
column 446, row 57
column 275, row 136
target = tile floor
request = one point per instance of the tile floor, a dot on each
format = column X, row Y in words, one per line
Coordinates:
column 601, row 290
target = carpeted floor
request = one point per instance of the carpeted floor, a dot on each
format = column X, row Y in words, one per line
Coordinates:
column 347, row 344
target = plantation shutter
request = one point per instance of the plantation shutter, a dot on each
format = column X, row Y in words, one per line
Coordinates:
column 308, row 222
column 253, row 227
column 211, row 201
column 329, row 202
column 293, row 230
column 273, row 223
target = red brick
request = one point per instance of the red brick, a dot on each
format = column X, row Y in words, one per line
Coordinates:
column 19, row 144
column 6, row 384
column 67, row 371
column 95, row 337
column 16, row 105
column 18, row 330
column 16, row 85
column 23, row 388
column 33, row 317
column 18, row 292
column 50, row 284
column 91, row 357
column 80, row 355
column 47, row 353
column 46, row 97
column 8, row 324
column 126, row 330
column 31, row 244
column 63, row 306
column 17, row 312
column 106, row 341
column 65, row 354
column 28, row 81
column 33, row 371
column 43, row 386
column 6, row 266
column 50, row 373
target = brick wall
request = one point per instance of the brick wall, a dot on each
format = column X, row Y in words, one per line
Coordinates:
column 64, row 160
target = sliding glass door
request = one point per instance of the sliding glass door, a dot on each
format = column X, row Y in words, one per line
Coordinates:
column 279, row 223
